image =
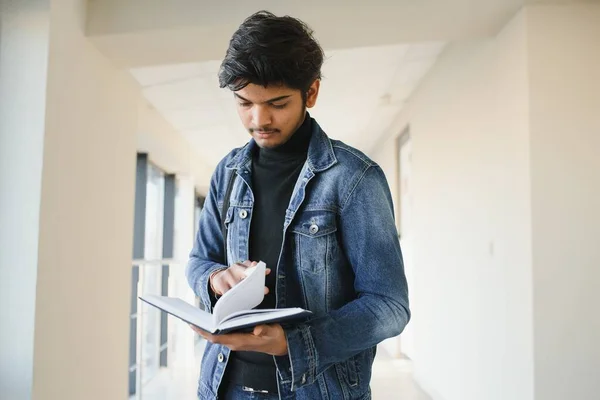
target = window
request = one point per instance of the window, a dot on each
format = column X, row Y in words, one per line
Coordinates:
column 153, row 242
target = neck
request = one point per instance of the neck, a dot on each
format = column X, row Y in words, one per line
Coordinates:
column 299, row 141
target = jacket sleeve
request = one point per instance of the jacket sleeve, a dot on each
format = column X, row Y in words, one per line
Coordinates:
column 381, row 309
column 207, row 255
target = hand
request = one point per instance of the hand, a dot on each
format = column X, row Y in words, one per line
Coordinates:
column 224, row 280
column 268, row 339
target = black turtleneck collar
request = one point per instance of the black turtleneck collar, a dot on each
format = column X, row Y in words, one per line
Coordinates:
column 297, row 145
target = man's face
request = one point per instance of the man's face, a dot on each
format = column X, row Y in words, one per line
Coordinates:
column 272, row 114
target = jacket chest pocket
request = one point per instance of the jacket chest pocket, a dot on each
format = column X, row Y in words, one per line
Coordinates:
column 314, row 234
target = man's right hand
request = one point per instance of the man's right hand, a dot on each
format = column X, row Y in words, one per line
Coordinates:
column 224, row 280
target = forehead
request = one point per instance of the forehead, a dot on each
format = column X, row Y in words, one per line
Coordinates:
column 259, row 93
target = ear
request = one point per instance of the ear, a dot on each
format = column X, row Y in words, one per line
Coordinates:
column 312, row 94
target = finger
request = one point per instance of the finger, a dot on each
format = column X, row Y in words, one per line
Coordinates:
column 238, row 275
column 267, row 271
column 230, row 281
column 254, row 264
column 239, row 268
column 221, row 283
column 266, row 290
column 231, row 338
column 239, row 341
column 260, row 330
column 198, row 330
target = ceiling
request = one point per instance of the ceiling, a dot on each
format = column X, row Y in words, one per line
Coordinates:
column 362, row 91
column 377, row 53
column 139, row 33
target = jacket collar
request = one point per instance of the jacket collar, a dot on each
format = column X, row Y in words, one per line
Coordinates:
column 320, row 152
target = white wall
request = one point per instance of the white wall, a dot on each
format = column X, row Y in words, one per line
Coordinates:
column 506, row 186
column 169, row 149
column 24, row 31
column 70, row 126
column 472, row 300
column 85, row 242
column 564, row 60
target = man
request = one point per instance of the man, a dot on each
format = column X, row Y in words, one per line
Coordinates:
column 318, row 212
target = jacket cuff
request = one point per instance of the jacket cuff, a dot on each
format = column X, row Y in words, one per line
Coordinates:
column 299, row 367
column 206, row 294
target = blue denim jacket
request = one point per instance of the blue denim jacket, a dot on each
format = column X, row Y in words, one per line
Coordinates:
column 340, row 259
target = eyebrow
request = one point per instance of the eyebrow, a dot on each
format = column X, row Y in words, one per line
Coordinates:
column 274, row 99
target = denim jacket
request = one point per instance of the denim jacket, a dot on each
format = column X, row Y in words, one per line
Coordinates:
column 340, row 259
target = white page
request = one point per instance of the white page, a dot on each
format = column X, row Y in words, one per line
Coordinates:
column 257, row 318
column 246, row 295
column 183, row 310
column 249, row 312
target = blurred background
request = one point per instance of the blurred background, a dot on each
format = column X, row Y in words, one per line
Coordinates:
column 485, row 116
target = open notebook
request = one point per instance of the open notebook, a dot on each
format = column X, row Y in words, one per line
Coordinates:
column 234, row 310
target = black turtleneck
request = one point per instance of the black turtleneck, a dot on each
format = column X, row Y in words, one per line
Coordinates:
column 274, row 175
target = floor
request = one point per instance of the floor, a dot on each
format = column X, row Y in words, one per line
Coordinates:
column 392, row 379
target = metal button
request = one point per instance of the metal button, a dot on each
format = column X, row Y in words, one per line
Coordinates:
column 314, row 228
column 220, row 357
column 243, row 214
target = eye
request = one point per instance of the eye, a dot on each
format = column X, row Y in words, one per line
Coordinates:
column 279, row 106
column 244, row 104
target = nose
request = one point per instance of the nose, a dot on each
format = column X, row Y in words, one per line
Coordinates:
column 261, row 116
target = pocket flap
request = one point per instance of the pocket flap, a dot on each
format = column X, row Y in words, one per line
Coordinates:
column 314, row 223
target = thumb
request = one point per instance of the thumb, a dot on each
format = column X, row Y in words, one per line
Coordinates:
column 260, row 330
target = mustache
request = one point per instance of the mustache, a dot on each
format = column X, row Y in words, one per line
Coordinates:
column 263, row 129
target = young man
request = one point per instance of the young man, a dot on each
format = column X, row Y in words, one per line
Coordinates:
column 317, row 211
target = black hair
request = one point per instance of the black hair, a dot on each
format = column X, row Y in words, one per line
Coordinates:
column 267, row 50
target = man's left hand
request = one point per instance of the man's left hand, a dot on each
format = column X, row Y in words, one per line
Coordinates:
column 269, row 339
